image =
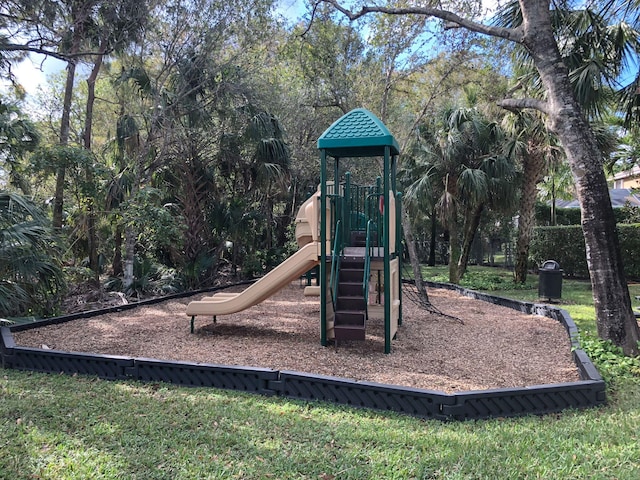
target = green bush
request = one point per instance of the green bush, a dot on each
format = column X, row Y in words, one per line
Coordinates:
column 564, row 216
column 565, row 245
column 630, row 248
column 571, row 216
column 609, row 359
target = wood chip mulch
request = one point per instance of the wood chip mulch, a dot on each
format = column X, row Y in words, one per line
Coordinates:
column 495, row 347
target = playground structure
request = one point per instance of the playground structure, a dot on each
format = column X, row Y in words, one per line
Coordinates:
column 358, row 258
column 315, row 223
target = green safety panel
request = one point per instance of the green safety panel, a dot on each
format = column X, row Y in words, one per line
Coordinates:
column 358, row 133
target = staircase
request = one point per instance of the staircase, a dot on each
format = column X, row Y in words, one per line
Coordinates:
column 351, row 308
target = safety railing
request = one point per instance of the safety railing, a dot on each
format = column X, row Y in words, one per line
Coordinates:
column 335, row 220
column 335, row 266
column 367, row 267
column 373, row 212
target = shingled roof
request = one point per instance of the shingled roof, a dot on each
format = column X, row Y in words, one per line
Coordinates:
column 619, row 198
column 358, row 133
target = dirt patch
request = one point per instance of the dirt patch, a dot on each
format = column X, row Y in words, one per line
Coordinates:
column 496, row 347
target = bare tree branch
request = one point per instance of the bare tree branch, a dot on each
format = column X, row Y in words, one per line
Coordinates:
column 11, row 47
column 517, row 104
column 512, row 34
column 313, row 16
column 66, row 57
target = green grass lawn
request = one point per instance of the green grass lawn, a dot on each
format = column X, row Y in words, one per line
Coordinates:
column 63, row 427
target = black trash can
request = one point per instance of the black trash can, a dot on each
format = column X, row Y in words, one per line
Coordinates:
column 550, row 280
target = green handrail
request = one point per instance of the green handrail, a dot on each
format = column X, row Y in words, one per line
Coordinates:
column 335, row 266
column 367, row 267
column 373, row 212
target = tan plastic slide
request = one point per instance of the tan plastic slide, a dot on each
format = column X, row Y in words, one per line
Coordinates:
column 300, row 262
column 307, row 257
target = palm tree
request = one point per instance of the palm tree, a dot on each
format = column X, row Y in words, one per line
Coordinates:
column 460, row 171
column 271, row 160
column 556, row 185
column 597, row 43
column 536, row 149
column 31, row 279
column 595, row 51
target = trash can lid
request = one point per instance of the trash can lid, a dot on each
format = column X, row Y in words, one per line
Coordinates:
column 550, row 265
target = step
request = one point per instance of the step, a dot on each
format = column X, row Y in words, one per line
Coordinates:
column 358, row 238
column 351, row 261
column 349, row 332
column 351, row 303
column 349, row 325
column 350, row 289
column 351, row 274
column 349, row 317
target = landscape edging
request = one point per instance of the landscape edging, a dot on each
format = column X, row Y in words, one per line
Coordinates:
column 504, row 402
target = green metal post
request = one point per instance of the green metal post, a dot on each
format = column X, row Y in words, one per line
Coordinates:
column 323, row 248
column 337, row 210
column 394, row 165
column 400, row 250
column 376, row 210
column 387, row 269
column 347, row 209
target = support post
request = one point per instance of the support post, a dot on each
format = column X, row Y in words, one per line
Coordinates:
column 346, row 212
column 399, row 250
column 323, row 248
column 385, row 241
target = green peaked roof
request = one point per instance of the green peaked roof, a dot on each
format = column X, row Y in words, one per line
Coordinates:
column 358, row 133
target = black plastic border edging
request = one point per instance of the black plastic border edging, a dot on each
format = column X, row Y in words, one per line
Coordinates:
column 506, row 402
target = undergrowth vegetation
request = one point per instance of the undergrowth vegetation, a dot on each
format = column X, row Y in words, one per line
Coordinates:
column 611, row 362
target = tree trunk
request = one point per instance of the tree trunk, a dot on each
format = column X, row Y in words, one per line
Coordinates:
column 614, row 315
column 65, row 121
column 192, row 209
column 88, row 125
column 432, row 241
column 470, row 228
column 65, row 127
column 129, row 252
column 413, row 258
column 533, row 168
column 117, row 251
column 269, row 212
column 454, row 252
column 554, row 219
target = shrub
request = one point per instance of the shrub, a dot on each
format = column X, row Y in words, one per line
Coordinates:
column 565, row 245
column 609, row 359
column 31, row 278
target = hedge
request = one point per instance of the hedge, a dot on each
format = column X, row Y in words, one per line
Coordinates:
column 565, row 245
column 571, row 216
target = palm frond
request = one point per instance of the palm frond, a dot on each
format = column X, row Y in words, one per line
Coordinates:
column 30, row 274
column 473, row 186
column 139, row 77
column 446, row 208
